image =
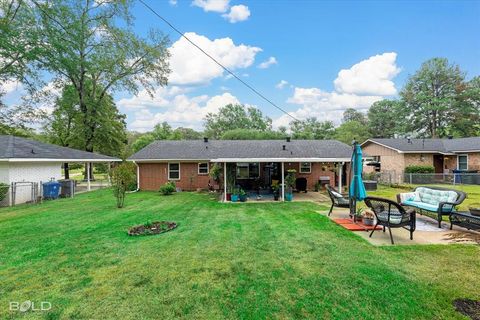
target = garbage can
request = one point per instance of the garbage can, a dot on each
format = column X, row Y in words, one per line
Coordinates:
column 51, row 190
column 469, row 176
column 67, row 189
column 457, row 176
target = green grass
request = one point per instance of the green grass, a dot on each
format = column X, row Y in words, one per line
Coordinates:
column 473, row 193
column 255, row 261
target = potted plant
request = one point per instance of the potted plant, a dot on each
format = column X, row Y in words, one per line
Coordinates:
column 230, row 184
column 290, row 182
column 235, row 195
column 242, row 195
column 216, row 174
column 368, row 217
column 276, row 191
column 474, row 209
column 359, row 215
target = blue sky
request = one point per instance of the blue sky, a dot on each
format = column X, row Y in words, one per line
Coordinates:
column 377, row 45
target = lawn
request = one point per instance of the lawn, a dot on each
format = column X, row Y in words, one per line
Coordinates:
column 473, row 193
column 248, row 261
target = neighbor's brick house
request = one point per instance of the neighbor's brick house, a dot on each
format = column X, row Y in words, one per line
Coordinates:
column 445, row 155
column 253, row 162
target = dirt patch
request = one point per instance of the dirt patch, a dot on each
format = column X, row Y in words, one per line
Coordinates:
column 459, row 237
column 470, row 308
column 152, row 228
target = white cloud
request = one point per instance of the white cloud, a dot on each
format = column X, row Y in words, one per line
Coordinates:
column 10, row 86
column 182, row 111
column 191, row 67
column 267, row 63
column 237, row 13
column 172, row 2
column 144, row 100
column 212, row 5
column 282, row 84
column 372, row 76
column 358, row 87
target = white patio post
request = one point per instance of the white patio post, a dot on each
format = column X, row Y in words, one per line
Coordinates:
column 88, row 176
column 225, row 181
column 340, row 176
column 283, row 182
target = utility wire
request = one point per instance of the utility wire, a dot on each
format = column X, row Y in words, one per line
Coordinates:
column 216, row 61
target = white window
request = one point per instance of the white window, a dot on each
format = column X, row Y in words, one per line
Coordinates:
column 305, row 167
column 203, row 168
column 462, row 160
column 174, row 171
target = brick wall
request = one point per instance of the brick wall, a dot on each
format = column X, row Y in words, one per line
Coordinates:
column 474, row 161
column 153, row 175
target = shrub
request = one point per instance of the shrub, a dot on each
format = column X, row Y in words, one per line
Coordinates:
column 419, row 169
column 216, row 172
column 122, row 177
column 168, row 188
column 3, row 190
column 290, row 179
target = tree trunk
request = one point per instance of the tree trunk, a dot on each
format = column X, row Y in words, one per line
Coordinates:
column 66, row 170
column 85, row 176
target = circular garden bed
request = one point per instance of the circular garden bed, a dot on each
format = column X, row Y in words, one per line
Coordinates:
column 151, row 228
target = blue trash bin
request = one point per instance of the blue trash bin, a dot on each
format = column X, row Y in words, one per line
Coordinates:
column 457, row 176
column 51, row 190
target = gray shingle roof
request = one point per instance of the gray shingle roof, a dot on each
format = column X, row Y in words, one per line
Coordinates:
column 215, row 149
column 431, row 145
column 12, row 147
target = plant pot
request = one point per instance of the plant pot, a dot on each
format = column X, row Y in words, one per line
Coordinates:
column 234, row 198
column 368, row 221
column 358, row 219
column 474, row 211
column 289, row 196
column 276, row 197
column 229, row 196
column 243, row 197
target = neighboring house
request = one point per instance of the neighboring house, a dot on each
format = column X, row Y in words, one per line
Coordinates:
column 253, row 163
column 29, row 162
column 445, row 155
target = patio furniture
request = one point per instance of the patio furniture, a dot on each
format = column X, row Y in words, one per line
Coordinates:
column 438, row 200
column 338, row 200
column 464, row 219
column 390, row 214
column 301, row 184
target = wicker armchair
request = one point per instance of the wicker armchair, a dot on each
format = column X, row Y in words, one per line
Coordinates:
column 338, row 200
column 391, row 215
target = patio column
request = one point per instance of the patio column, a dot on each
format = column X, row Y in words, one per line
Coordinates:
column 283, row 182
column 225, row 181
column 88, row 176
column 340, row 176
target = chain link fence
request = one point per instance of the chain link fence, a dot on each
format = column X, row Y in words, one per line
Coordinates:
column 391, row 177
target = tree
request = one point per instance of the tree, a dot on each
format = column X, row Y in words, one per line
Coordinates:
column 383, row 118
column 351, row 114
column 122, row 177
column 348, row 131
column 466, row 116
column 90, row 44
column 235, row 116
column 430, row 97
column 311, row 128
column 142, row 142
column 249, row 134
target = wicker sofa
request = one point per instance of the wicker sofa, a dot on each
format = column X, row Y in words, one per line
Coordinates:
column 440, row 201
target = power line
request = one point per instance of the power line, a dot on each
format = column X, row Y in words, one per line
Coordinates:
column 216, row 61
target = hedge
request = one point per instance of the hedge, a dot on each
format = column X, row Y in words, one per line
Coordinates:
column 419, row 169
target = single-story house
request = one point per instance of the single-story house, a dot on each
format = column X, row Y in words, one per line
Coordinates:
column 26, row 163
column 445, row 155
column 253, row 164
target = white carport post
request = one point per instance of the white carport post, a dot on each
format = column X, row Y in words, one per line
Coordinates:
column 225, row 181
column 283, row 181
column 88, row 176
column 340, row 176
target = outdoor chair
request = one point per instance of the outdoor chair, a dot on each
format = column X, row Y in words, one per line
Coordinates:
column 338, row 200
column 390, row 214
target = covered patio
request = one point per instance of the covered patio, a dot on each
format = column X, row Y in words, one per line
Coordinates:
column 257, row 175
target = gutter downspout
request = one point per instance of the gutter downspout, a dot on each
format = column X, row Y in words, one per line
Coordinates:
column 138, row 179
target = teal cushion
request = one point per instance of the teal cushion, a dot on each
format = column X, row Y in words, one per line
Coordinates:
column 426, row 206
column 434, row 197
column 395, row 217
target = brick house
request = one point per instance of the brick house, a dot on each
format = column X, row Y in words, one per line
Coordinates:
column 253, row 163
column 445, row 155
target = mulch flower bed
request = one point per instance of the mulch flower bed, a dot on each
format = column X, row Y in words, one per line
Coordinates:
column 470, row 308
column 152, row 228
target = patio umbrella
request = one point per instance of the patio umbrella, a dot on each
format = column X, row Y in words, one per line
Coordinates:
column 357, row 189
